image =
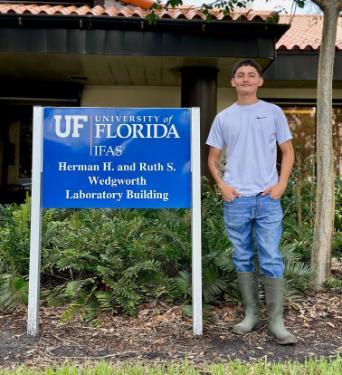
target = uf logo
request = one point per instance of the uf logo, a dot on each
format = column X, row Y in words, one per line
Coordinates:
column 70, row 126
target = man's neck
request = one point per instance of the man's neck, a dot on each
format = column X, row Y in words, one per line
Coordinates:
column 245, row 100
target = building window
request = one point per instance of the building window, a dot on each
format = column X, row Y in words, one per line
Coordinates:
column 302, row 122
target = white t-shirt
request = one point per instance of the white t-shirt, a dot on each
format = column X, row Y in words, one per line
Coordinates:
column 249, row 134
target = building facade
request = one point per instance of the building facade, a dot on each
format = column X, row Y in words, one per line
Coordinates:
column 106, row 53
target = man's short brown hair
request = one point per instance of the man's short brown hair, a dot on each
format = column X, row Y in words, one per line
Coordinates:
column 246, row 62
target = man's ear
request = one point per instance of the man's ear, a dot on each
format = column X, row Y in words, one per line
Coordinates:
column 232, row 82
column 261, row 82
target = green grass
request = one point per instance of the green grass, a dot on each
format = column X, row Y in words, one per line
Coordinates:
column 309, row 367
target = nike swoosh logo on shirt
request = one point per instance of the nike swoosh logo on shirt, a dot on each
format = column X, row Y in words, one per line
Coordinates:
column 261, row 117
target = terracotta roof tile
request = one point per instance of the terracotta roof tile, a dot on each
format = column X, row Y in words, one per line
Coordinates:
column 305, row 33
column 97, row 10
column 116, row 8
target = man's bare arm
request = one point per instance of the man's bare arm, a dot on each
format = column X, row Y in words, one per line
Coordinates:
column 287, row 161
column 228, row 192
column 213, row 160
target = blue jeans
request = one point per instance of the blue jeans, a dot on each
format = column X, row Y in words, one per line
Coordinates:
column 263, row 216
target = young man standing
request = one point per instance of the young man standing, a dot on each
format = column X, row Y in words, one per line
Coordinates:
column 249, row 131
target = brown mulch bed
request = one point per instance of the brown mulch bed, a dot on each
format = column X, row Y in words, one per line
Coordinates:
column 161, row 333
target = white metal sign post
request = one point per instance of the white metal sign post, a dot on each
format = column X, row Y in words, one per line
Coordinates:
column 36, row 224
column 196, row 216
column 36, row 203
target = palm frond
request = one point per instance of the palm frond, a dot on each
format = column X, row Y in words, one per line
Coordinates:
column 183, row 284
column 13, row 291
column 333, row 283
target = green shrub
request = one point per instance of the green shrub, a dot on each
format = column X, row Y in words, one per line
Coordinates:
column 14, row 238
column 13, row 291
column 113, row 260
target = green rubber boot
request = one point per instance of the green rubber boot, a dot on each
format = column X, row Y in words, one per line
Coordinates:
column 248, row 283
column 274, row 294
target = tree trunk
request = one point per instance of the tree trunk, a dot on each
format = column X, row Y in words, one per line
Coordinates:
column 298, row 192
column 325, row 197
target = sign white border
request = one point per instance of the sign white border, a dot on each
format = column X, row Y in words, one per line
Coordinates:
column 196, row 217
column 36, row 224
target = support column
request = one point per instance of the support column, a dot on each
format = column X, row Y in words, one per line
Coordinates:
column 199, row 89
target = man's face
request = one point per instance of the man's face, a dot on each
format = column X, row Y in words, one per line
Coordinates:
column 246, row 80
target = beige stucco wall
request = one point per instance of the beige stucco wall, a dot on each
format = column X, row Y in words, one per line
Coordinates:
column 131, row 96
column 147, row 96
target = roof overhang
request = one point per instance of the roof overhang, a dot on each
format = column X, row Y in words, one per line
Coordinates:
column 300, row 68
column 127, row 50
column 179, row 25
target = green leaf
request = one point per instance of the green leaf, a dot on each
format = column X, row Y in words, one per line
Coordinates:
column 13, row 291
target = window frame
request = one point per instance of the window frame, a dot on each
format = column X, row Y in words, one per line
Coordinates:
column 285, row 102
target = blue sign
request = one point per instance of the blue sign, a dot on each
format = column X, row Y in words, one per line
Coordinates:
column 116, row 158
